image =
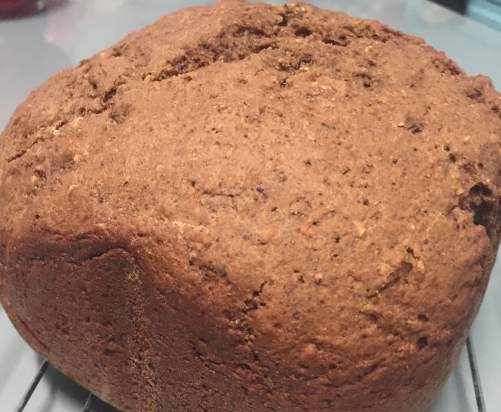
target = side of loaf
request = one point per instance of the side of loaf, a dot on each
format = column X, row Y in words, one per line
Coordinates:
column 253, row 208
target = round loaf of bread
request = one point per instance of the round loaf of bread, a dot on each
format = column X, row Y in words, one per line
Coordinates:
column 253, row 208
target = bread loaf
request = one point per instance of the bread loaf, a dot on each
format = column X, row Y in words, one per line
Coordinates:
column 253, row 208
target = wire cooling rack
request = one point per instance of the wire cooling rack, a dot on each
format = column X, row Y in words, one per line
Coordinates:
column 91, row 403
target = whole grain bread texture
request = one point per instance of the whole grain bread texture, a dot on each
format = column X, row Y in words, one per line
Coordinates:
column 253, row 208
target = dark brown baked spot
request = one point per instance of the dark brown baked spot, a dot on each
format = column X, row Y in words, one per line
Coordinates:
column 484, row 206
column 235, row 43
column 341, row 40
column 475, row 94
column 423, row 317
column 303, row 32
column 422, row 342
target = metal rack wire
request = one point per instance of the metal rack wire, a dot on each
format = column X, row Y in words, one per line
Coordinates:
column 36, row 380
column 479, row 397
column 472, row 359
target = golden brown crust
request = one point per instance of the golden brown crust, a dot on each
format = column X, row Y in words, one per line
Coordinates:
column 286, row 209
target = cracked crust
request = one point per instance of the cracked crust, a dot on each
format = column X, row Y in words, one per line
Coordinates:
column 286, row 209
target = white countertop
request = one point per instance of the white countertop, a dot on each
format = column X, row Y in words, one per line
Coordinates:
column 31, row 49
